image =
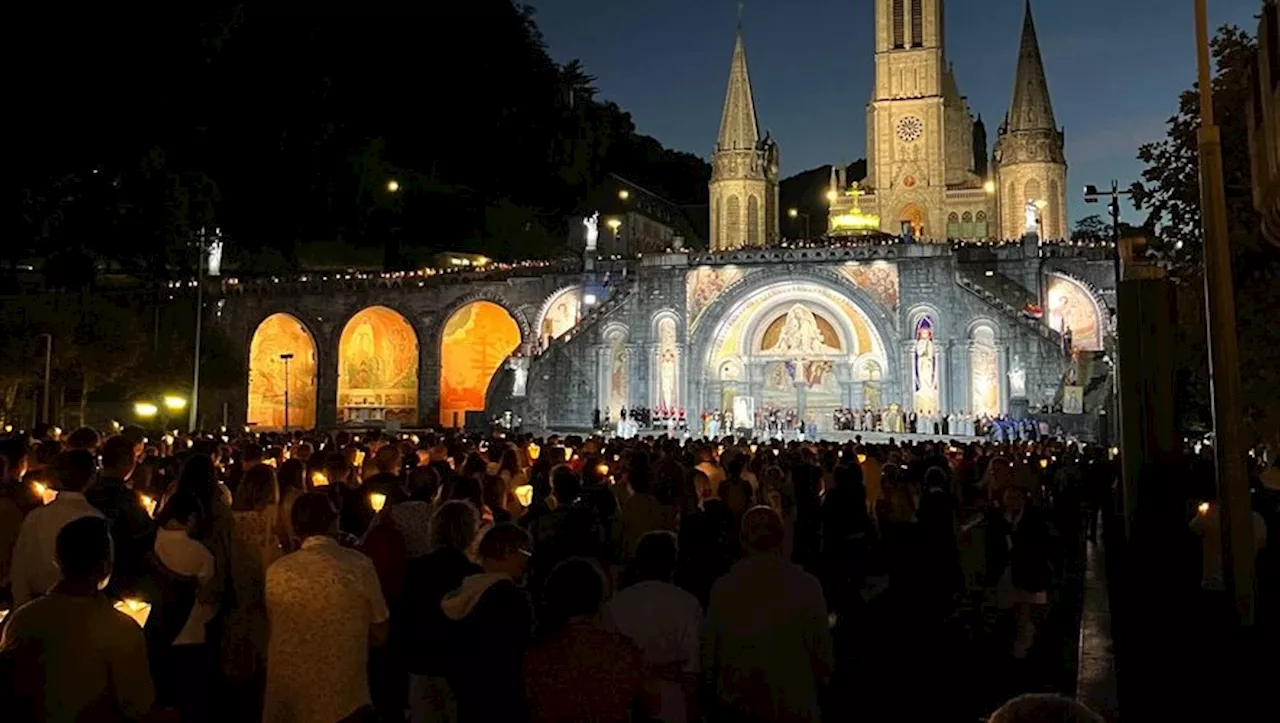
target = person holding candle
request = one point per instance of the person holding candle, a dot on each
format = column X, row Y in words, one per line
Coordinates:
column 184, row 568
column 325, row 607
column 132, row 528
column 33, row 570
column 56, row 676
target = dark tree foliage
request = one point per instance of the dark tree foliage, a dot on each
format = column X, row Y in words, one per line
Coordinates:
column 283, row 123
column 1171, row 195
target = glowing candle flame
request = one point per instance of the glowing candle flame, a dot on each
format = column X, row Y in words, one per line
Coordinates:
column 1044, row 463
column 377, row 501
column 43, row 491
column 1203, row 508
column 318, row 479
column 149, row 505
column 862, row 458
column 602, row 469
column 568, row 454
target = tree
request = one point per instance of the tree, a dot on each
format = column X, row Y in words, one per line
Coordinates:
column 1171, row 192
column 104, row 345
column 1171, row 195
column 1091, row 229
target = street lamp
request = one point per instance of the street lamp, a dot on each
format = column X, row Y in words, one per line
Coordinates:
column 145, row 410
column 832, row 196
column 175, row 403
column 393, row 185
column 624, row 194
column 1092, row 194
column 285, row 358
column 990, row 188
column 794, row 213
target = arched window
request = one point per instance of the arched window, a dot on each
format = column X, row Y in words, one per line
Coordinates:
column 732, row 233
column 917, row 23
column 899, row 23
column 966, row 225
column 753, row 221
column 953, row 226
column 980, row 225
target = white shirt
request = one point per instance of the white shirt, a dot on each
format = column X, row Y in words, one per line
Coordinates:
column 184, row 556
column 34, row 569
column 321, row 602
column 664, row 621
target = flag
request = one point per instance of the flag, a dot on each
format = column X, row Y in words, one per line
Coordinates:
column 1033, row 311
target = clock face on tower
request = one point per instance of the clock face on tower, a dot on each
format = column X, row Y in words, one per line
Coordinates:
column 910, row 128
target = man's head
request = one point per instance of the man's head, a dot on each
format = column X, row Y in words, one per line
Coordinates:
column 15, row 453
column 762, row 530
column 1041, row 708
column 252, row 456
column 83, row 550
column 84, row 438
column 505, row 548
column 656, row 555
column 454, row 525
column 337, row 468
column 387, row 460
column 574, row 589
column 118, row 459
column 74, row 470
column 313, row 514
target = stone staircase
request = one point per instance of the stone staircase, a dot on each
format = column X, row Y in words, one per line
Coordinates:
column 598, row 313
column 1009, row 298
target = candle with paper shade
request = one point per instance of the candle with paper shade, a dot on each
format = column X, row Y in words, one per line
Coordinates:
column 533, row 450
column 377, row 501
column 602, row 469
column 46, row 493
column 318, row 479
column 1203, row 508
column 862, row 458
column 524, row 494
column 139, row 610
column 148, row 504
column 568, row 454
column 1043, row 463
column 4, row 613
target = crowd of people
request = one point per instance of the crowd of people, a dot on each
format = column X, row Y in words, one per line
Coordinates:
column 445, row 577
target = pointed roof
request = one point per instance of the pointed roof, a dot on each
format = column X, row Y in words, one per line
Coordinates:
column 1031, row 109
column 739, row 128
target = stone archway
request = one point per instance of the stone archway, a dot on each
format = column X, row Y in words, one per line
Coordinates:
column 791, row 337
column 378, row 368
column 273, row 402
column 475, row 340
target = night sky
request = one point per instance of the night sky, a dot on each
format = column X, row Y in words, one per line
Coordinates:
column 1115, row 68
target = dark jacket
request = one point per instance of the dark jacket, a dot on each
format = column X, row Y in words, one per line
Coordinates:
column 132, row 530
column 491, row 626
column 1024, row 548
column 428, row 580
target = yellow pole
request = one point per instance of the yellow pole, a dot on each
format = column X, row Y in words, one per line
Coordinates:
column 1224, row 366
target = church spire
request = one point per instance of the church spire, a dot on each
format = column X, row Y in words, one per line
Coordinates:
column 1031, row 108
column 739, row 129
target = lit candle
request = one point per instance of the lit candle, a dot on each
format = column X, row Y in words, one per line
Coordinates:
column 862, row 458
column 318, row 479
column 1044, row 463
column 377, row 500
column 139, row 610
column 568, row 454
column 524, row 495
column 533, row 450
column 149, row 505
column 754, row 447
column 46, row 494
column 1203, row 508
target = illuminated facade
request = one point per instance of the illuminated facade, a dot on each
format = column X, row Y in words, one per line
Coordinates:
column 927, row 172
column 279, row 335
column 909, row 321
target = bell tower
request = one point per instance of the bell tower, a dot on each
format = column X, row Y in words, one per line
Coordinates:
column 906, row 121
column 744, row 168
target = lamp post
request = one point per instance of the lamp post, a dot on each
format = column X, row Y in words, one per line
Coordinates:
column 285, row 358
column 1224, row 370
column 202, row 244
column 1091, row 195
column 795, row 212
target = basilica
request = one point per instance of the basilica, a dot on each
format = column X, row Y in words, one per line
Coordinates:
column 941, row 288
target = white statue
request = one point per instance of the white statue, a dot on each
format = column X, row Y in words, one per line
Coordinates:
column 801, row 335
column 215, row 258
column 592, row 225
column 667, row 364
column 924, row 360
column 1033, row 216
column 1017, row 379
column 521, row 368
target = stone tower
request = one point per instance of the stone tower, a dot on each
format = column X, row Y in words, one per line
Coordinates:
column 744, row 168
column 1031, row 166
column 906, row 119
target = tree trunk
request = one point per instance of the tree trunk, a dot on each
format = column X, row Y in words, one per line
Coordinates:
column 84, row 402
